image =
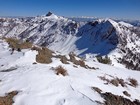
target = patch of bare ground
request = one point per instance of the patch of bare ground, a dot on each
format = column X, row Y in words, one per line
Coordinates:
column 96, row 89
column 73, row 59
column 78, row 62
column 118, row 81
column 64, row 60
column 126, row 93
column 111, row 99
column 105, row 60
column 16, row 44
column 8, row 99
column 44, row 55
column 133, row 82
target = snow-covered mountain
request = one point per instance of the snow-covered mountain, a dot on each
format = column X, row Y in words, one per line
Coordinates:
column 73, row 73
column 98, row 37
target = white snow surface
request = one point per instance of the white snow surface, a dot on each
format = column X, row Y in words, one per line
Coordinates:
column 126, row 24
column 39, row 85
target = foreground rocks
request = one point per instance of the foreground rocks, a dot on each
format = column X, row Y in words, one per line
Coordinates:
column 111, row 99
column 8, row 99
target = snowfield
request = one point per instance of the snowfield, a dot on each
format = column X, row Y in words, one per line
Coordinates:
column 38, row 84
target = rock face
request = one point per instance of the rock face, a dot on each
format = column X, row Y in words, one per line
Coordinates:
column 100, row 37
column 49, row 14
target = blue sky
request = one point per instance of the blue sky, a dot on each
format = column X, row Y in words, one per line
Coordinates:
column 100, row 8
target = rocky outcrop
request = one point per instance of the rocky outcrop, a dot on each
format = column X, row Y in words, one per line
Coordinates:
column 111, row 99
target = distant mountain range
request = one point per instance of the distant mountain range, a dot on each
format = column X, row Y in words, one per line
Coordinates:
column 118, row 39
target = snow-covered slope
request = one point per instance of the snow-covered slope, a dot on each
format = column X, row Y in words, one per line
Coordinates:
column 38, row 84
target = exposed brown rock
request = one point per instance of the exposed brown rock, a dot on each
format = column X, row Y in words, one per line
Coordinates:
column 8, row 99
column 44, row 56
column 64, row 60
column 111, row 99
column 126, row 93
column 96, row 89
column 133, row 82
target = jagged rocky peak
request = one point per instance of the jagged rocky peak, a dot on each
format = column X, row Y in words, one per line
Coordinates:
column 49, row 16
column 49, row 13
